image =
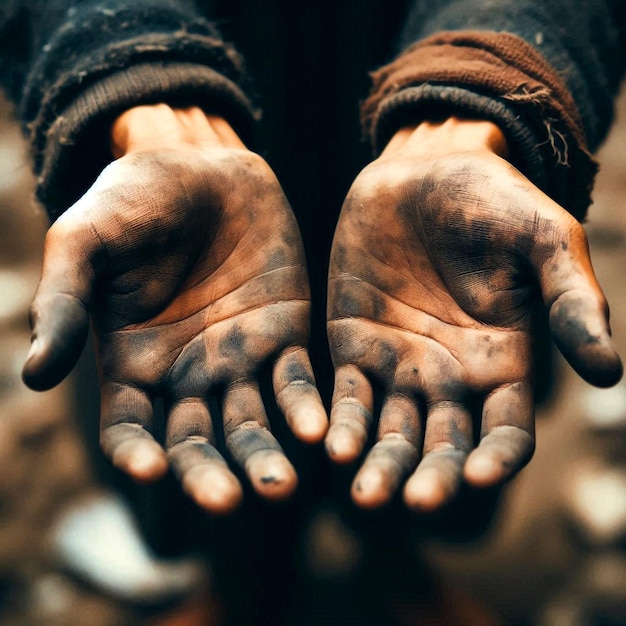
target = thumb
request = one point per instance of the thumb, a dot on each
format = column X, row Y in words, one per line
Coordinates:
column 580, row 327
column 59, row 314
column 579, row 313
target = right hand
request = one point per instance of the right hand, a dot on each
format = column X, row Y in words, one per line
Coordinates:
column 441, row 256
column 187, row 256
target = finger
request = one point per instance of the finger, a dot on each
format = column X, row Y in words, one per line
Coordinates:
column 202, row 470
column 350, row 416
column 297, row 396
column 126, row 418
column 579, row 314
column 252, row 445
column 59, row 316
column 507, row 437
column 447, row 443
column 395, row 455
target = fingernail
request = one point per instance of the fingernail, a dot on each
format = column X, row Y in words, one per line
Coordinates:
column 34, row 348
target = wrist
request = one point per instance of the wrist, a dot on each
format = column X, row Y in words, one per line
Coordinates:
column 452, row 135
column 159, row 126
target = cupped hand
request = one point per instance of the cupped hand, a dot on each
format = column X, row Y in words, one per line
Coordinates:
column 442, row 252
column 187, row 256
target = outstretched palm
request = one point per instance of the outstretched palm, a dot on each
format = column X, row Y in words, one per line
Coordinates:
column 190, row 261
column 437, row 267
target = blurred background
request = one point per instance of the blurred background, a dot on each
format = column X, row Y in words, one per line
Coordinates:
column 556, row 555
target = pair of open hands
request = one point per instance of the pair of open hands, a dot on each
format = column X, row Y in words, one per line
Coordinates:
column 187, row 257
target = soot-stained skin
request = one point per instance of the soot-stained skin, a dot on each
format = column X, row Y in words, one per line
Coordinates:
column 190, row 262
column 437, row 266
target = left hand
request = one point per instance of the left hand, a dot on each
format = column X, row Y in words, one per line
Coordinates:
column 188, row 259
column 441, row 253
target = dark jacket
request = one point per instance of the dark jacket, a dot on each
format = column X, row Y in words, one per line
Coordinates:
column 72, row 66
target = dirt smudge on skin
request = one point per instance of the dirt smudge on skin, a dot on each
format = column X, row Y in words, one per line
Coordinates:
column 569, row 327
column 233, row 343
column 244, row 443
column 270, row 480
column 298, row 372
column 189, row 375
column 459, row 438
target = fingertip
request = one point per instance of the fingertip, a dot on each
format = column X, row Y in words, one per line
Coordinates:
column 345, row 442
column 213, row 488
column 311, row 424
column 370, row 489
column 143, row 460
column 425, row 492
column 272, row 475
column 484, row 469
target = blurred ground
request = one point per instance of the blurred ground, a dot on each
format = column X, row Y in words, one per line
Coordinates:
column 556, row 558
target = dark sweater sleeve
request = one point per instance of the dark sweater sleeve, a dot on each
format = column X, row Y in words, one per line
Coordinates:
column 546, row 72
column 72, row 66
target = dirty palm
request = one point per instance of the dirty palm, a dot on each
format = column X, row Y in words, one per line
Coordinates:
column 189, row 259
column 437, row 266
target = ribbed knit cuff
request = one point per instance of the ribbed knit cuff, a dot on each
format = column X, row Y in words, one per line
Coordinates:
column 76, row 145
column 495, row 76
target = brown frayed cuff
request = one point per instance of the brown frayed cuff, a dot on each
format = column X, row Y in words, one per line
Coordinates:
column 490, row 67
